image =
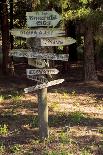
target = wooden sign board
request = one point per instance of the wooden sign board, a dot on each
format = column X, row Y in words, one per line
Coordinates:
column 44, row 85
column 41, row 71
column 38, row 78
column 38, row 63
column 38, row 33
column 42, row 18
column 58, row 41
column 28, row 54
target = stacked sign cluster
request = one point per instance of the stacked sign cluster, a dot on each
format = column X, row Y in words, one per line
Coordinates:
column 39, row 40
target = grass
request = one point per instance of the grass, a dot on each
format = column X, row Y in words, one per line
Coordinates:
column 15, row 149
column 2, row 147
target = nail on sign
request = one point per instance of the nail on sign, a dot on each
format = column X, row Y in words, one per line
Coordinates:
column 41, row 71
column 44, row 85
column 38, row 33
column 42, row 18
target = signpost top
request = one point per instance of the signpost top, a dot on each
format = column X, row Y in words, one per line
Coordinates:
column 42, row 18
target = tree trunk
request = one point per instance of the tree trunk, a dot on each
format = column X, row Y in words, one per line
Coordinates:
column 5, row 37
column 89, row 64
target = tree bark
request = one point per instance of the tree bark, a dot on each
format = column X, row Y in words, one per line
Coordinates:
column 5, row 37
column 89, row 63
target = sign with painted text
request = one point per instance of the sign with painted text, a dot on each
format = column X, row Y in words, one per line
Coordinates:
column 58, row 41
column 41, row 71
column 38, row 63
column 42, row 18
column 41, row 79
column 28, row 54
column 38, row 33
column 44, row 85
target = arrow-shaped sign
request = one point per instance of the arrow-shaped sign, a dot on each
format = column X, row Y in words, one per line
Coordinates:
column 58, row 41
column 27, row 53
column 44, row 85
column 41, row 71
column 42, row 18
column 38, row 78
column 38, row 33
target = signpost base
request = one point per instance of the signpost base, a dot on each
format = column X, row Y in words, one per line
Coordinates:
column 43, row 113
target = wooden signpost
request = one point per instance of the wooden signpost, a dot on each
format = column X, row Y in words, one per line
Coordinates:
column 44, row 85
column 38, row 56
column 42, row 18
column 27, row 53
column 38, row 33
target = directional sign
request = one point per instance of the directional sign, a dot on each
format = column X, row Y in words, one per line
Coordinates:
column 41, row 71
column 29, row 54
column 38, row 33
column 42, row 18
column 39, row 63
column 58, row 41
column 41, row 79
column 44, row 85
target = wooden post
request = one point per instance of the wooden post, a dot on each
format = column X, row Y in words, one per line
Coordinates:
column 43, row 113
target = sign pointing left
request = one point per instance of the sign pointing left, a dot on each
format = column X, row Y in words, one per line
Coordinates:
column 44, row 85
column 39, row 33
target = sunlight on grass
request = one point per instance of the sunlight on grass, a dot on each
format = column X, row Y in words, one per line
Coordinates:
column 4, row 130
column 54, row 106
column 2, row 148
column 15, row 148
column 17, row 98
column 1, row 98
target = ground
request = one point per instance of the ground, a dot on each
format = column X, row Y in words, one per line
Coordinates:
column 75, row 117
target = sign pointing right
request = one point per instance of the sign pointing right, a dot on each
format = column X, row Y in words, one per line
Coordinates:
column 58, row 41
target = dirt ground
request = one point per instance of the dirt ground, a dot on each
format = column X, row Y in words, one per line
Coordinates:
column 75, row 116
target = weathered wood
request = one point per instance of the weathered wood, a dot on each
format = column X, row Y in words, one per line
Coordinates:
column 42, row 18
column 38, row 33
column 38, row 63
column 44, row 85
column 38, row 78
column 43, row 113
column 29, row 54
column 58, row 41
column 41, row 71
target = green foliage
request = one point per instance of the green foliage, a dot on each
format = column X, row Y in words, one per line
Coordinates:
column 2, row 147
column 64, row 137
column 76, row 117
column 15, row 148
column 4, row 130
